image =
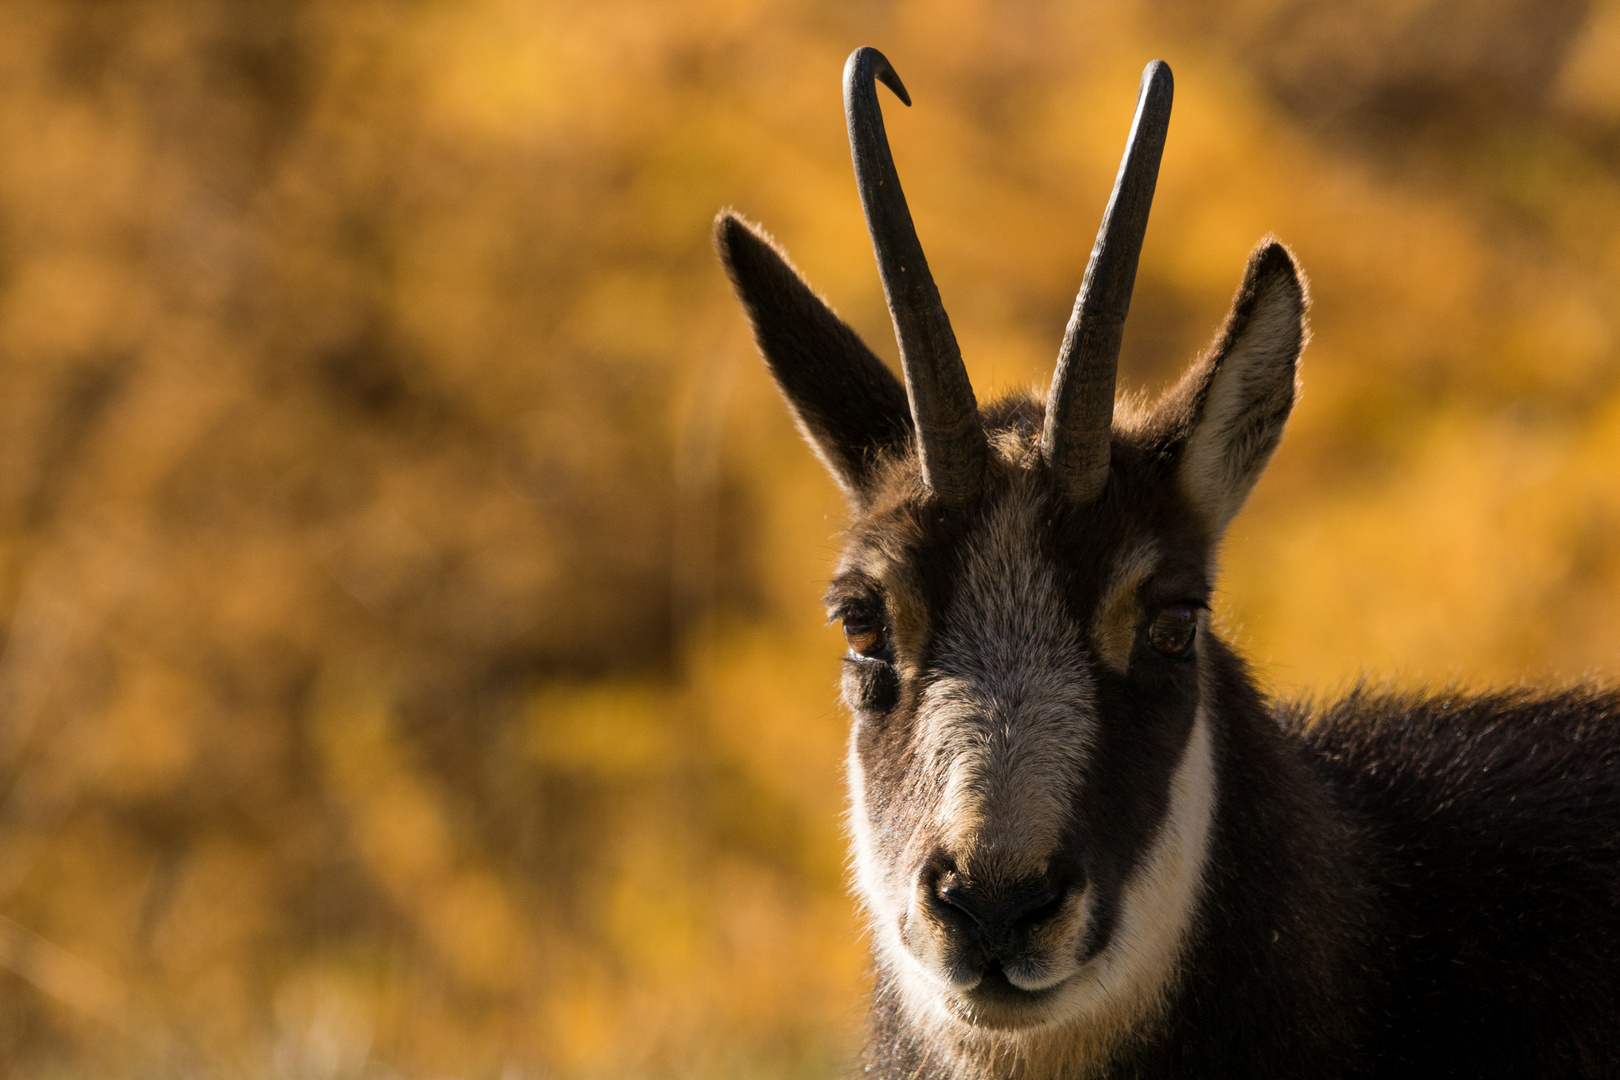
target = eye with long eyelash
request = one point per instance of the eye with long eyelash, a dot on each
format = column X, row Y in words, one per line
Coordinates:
column 864, row 632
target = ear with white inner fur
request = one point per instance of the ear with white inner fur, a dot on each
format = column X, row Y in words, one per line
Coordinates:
column 1231, row 407
column 850, row 406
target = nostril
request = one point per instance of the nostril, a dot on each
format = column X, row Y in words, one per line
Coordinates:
column 951, row 895
column 968, row 901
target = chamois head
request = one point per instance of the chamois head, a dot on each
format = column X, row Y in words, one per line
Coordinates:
column 1024, row 593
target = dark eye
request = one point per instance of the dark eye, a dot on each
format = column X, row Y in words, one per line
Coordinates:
column 1173, row 630
column 863, row 633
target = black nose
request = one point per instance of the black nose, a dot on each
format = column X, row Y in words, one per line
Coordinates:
column 999, row 911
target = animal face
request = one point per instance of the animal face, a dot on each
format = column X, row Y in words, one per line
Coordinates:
column 1024, row 593
column 1020, row 717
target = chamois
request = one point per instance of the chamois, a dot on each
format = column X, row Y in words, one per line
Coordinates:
column 1086, row 842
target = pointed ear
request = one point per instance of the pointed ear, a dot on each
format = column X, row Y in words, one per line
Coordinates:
column 850, row 407
column 1228, row 412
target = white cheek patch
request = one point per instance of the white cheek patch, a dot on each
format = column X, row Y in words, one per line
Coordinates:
column 1160, row 899
column 876, row 896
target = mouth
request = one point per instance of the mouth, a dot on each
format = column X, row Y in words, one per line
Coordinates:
column 998, row 1004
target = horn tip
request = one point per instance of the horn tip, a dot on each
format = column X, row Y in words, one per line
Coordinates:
column 1156, row 76
column 879, row 68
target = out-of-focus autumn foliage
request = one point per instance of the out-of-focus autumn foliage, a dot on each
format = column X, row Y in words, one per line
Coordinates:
column 412, row 661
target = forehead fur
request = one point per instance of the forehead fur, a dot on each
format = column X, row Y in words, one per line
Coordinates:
column 1008, row 719
column 1144, row 454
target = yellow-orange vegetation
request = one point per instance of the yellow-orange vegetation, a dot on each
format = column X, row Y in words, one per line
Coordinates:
column 410, row 651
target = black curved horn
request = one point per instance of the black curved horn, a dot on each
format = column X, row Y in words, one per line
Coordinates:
column 1080, row 408
column 950, row 438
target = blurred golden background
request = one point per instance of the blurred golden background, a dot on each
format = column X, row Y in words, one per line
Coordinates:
column 412, row 654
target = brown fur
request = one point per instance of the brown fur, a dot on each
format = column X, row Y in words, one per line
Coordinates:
column 1085, row 851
